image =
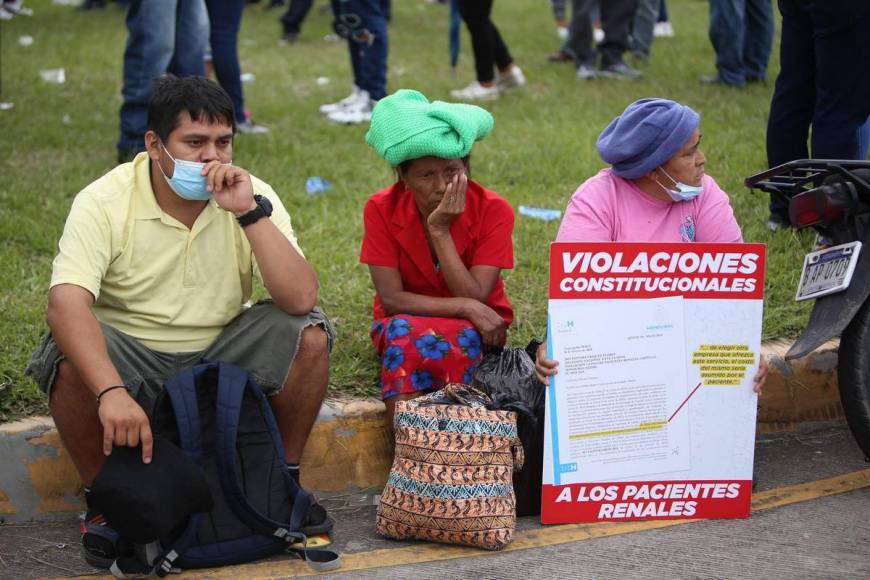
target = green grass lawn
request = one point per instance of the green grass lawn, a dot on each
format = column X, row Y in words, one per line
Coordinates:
column 58, row 138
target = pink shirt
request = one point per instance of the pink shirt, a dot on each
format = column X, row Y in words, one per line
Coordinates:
column 607, row 208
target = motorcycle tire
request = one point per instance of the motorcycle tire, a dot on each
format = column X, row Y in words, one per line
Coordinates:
column 854, row 377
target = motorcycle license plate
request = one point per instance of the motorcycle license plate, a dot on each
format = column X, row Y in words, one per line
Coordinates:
column 828, row 271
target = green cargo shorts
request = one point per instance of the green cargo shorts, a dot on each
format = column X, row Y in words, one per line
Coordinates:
column 263, row 339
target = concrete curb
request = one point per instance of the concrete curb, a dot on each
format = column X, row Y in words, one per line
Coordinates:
column 351, row 445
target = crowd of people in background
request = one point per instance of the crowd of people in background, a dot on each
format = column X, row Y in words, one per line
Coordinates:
column 817, row 87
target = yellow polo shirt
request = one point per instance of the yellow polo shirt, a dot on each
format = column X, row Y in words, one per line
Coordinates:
column 172, row 288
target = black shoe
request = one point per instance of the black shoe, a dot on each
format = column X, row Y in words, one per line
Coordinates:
column 289, row 37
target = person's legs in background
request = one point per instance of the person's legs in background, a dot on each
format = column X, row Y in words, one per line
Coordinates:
column 727, row 30
column 356, row 97
column 663, row 27
column 842, row 90
column 292, row 19
column 579, row 43
column 757, row 39
column 642, row 26
column 150, row 44
column 794, row 97
column 364, row 23
column 225, row 17
column 616, row 19
column 561, row 17
column 191, row 38
column 475, row 14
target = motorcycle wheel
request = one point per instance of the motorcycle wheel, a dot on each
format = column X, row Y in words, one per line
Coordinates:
column 854, row 376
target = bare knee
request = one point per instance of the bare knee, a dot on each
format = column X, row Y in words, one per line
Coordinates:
column 313, row 345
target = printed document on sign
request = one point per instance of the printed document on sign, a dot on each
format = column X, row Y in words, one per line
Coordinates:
column 620, row 388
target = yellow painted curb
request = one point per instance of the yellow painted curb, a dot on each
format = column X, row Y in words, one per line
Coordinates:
column 351, row 445
column 547, row 536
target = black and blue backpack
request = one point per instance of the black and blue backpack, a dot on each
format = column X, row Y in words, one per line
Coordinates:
column 221, row 420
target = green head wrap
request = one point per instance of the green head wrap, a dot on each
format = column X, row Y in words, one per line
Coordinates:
column 405, row 125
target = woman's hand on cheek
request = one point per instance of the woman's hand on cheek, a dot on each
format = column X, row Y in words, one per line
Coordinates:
column 451, row 206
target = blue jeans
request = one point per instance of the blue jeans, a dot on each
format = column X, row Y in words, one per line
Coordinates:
column 741, row 32
column 646, row 13
column 164, row 36
column 364, row 24
column 225, row 18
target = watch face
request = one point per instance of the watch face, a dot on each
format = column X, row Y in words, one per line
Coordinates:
column 264, row 204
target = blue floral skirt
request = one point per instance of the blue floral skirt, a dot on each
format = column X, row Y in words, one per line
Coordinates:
column 424, row 353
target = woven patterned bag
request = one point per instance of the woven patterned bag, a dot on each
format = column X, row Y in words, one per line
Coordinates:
column 451, row 476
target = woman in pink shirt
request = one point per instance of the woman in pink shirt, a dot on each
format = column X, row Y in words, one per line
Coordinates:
column 656, row 190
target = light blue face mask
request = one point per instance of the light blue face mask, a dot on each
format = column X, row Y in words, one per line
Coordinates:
column 682, row 192
column 187, row 179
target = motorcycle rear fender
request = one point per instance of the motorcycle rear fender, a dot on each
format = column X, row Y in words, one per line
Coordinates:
column 833, row 313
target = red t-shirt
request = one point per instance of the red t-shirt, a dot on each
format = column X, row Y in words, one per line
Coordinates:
column 394, row 238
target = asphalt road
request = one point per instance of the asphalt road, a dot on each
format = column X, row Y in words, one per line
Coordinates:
column 822, row 537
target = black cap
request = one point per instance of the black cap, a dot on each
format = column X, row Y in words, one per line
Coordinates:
column 145, row 502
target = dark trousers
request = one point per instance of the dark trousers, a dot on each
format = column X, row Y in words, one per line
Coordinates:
column 164, row 36
column 225, row 18
column 295, row 15
column 823, row 82
column 616, row 19
column 741, row 32
column 486, row 42
column 364, row 24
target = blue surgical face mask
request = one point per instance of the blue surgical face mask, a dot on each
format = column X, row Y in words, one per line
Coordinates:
column 187, row 179
column 683, row 192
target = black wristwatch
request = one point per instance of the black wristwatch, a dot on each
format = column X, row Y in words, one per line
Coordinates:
column 263, row 209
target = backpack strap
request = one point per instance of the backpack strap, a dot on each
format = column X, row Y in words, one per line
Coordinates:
column 182, row 394
column 233, row 382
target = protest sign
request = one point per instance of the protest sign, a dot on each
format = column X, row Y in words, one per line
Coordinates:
column 652, row 413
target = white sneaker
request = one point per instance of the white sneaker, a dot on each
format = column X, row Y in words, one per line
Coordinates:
column 5, row 14
column 663, row 30
column 598, row 35
column 476, row 92
column 357, row 97
column 354, row 114
column 514, row 78
column 586, row 72
column 251, row 128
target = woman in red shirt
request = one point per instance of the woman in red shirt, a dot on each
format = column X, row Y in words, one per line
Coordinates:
column 435, row 243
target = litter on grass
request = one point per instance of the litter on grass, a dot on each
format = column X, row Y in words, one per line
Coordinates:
column 316, row 185
column 322, row 81
column 540, row 213
column 53, row 75
column 247, row 77
column 25, row 40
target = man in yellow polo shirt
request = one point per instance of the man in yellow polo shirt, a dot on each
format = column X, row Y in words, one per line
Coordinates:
column 155, row 268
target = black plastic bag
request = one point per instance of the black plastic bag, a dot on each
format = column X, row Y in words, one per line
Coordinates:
column 508, row 375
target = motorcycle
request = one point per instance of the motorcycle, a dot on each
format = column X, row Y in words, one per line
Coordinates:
column 833, row 197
